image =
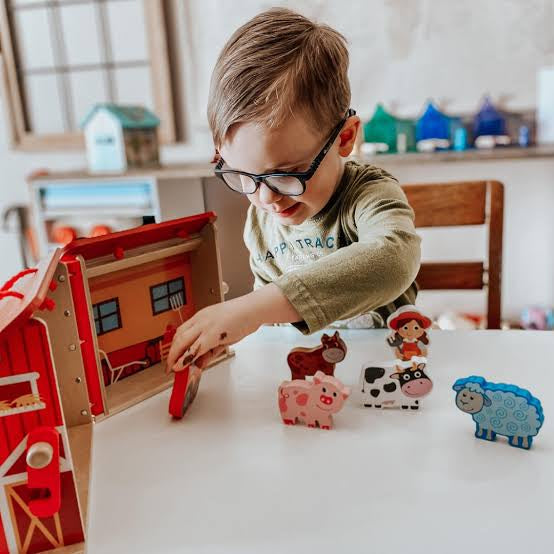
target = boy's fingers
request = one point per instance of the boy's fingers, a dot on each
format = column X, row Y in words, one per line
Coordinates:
column 180, row 345
column 174, row 353
column 204, row 344
column 218, row 350
column 203, row 361
column 184, row 326
column 197, row 349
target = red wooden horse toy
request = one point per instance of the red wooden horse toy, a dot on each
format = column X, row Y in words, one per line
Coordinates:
column 304, row 362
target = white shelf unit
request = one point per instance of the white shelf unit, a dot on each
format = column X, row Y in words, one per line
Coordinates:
column 82, row 200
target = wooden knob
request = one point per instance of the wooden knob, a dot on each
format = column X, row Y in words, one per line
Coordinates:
column 39, row 455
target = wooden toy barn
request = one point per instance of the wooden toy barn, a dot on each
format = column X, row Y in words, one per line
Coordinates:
column 83, row 336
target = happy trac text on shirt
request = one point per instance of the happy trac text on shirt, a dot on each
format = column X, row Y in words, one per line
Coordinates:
column 297, row 244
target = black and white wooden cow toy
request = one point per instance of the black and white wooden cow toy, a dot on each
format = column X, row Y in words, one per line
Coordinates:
column 394, row 384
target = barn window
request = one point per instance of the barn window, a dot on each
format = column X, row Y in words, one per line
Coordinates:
column 168, row 295
column 107, row 316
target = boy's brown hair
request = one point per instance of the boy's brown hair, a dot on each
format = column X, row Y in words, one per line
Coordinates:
column 275, row 64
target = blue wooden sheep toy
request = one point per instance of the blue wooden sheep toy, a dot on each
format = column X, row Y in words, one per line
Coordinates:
column 500, row 409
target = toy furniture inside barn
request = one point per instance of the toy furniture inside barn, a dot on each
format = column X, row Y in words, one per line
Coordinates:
column 459, row 204
column 109, row 294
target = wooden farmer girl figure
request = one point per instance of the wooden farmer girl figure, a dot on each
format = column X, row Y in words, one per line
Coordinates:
column 409, row 337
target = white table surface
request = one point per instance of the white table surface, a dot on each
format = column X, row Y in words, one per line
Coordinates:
column 232, row 478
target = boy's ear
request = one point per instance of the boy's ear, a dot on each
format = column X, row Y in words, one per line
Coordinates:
column 348, row 136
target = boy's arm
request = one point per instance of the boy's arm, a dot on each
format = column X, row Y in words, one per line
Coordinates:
column 365, row 275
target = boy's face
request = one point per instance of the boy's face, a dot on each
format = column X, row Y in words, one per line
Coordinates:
column 293, row 146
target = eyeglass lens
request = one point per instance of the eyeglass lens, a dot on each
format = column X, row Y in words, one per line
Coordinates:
column 246, row 185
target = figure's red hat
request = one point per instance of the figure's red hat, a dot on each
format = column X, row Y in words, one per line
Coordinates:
column 402, row 315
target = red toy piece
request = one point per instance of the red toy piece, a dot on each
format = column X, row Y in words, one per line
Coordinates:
column 48, row 304
column 185, row 387
column 43, row 471
column 305, row 362
column 312, row 402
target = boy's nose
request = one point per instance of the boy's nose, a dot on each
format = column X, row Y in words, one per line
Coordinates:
column 268, row 196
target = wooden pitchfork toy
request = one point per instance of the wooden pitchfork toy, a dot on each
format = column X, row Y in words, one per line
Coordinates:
column 176, row 303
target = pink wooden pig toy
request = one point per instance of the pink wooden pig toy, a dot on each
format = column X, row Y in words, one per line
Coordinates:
column 312, row 402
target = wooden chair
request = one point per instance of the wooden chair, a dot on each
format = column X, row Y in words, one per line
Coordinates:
column 463, row 203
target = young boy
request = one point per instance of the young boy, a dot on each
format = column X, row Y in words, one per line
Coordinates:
column 328, row 240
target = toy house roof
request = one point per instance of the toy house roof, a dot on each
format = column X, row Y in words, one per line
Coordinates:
column 433, row 124
column 144, row 235
column 26, row 293
column 489, row 120
column 130, row 117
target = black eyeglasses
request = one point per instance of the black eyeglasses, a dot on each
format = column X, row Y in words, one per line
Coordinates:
column 286, row 183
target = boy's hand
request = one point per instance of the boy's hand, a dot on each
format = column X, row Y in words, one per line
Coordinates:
column 206, row 334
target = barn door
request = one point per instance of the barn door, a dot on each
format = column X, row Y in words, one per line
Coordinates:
column 39, row 503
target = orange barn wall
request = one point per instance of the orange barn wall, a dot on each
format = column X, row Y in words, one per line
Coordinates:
column 132, row 288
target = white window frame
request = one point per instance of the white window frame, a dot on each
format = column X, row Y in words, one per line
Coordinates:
column 22, row 137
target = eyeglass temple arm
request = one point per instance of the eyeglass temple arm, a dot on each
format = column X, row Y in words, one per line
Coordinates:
column 349, row 113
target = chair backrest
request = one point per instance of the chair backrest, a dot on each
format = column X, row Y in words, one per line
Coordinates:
column 463, row 203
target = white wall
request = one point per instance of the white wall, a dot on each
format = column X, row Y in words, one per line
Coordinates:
column 402, row 52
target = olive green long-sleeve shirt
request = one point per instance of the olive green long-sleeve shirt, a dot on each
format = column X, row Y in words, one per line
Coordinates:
column 360, row 254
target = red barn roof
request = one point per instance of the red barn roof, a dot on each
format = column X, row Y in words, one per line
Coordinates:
column 139, row 236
